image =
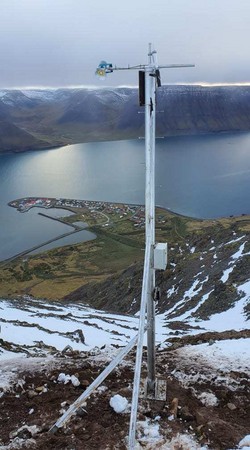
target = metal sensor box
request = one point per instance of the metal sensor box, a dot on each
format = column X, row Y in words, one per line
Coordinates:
column 160, row 256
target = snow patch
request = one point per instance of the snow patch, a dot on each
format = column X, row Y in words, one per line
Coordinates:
column 226, row 274
column 150, row 438
column 193, row 291
column 172, row 291
column 234, row 257
column 58, row 328
column 232, row 319
column 239, row 253
column 192, row 311
column 65, row 379
column 184, row 442
column 32, row 429
column 208, row 399
column 233, row 241
column 245, row 287
column 148, row 431
column 231, row 354
column 245, row 442
column 118, row 403
column 18, row 443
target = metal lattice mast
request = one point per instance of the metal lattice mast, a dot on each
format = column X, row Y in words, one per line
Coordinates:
column 150, row 113
column 151, row 79
column 147, row 310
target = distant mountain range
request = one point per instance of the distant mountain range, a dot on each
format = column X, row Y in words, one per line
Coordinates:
column 37, row 119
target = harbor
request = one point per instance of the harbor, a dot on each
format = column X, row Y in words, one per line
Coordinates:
column 82, row 214
column 136, row 213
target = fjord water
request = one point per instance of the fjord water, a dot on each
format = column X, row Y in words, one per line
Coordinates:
column 200, row 176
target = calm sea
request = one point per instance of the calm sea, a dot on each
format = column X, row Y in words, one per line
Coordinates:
column 202, row 176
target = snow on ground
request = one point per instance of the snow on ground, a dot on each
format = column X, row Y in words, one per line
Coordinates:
column 226, row 274
column 66, row 378
column 193, row 291
column 229, row 355
column 239, row 253
column 150, row 438
column 234, row 258
column 233, row 241
column 37, row 323
column 245, row 442
column 208, row 399
column 191, row 311
column 148, row 433
column 119, row 403
column 183, row 442
column 9, row 368
column 232, row 319
column 59, row 326
column 33, row 325
column 25, row 322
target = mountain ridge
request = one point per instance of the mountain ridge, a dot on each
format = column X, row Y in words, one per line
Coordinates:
column 57, row 117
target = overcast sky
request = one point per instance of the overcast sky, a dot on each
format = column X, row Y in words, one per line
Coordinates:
column 60, row 42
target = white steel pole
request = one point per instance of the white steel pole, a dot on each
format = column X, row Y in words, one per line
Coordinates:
column 138, row 363
column 150, row 213
column 148, row 285
column 148, row 272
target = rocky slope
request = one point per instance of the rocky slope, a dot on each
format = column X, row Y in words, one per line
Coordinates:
column 208, row 273
column 207, row 407
column 203, row 351
column 36, row 119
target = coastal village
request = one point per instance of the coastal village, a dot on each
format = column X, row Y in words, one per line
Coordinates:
column 98, row 217
column 135, row 213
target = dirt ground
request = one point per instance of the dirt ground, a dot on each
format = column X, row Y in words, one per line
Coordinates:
column 38, row 399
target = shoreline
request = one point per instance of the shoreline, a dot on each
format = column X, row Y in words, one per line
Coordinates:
column 36, row 247
column 108, row 203
column 25, row 204
column 169, row 136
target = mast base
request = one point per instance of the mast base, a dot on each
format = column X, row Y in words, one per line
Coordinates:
column 158, row 392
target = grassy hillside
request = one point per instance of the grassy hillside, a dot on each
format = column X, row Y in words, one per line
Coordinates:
column 107, row 272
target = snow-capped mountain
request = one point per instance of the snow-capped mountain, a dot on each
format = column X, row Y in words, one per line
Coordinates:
column 54, row 117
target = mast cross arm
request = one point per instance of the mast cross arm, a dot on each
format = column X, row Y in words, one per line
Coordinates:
column 175, row 66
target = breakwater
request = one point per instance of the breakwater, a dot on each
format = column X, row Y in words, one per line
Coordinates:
column 57, row 219
column 36, row 247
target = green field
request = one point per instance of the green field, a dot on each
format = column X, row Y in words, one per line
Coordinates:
column 118, row 244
